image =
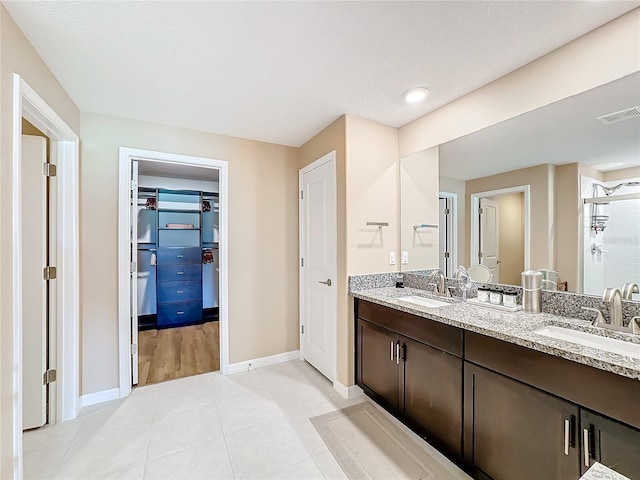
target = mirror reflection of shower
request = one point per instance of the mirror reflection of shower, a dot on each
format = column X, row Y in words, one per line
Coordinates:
column 611, row 233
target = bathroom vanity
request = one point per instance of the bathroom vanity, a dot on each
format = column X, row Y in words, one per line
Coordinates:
column 499, row 399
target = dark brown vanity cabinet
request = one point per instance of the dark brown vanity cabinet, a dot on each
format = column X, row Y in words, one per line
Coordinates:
column 418, row 382
column 514, row 431
column 610, row 443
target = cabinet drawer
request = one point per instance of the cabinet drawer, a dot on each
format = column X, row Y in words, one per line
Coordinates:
column 179, row 255
column 179, row 313
column 179, row 291
column 432, row 333
column 178, row 273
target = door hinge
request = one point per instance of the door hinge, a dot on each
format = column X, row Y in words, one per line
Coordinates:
column 301, row 194
column 480, row 211
column 134, row 184
column 134, row 348
column 49, row 376
column 302, row 329
column 447, row 211
column 134, row 267
column 302, row 262
column 49, row 169
column 480, row 255
column 446, row 254
column 50, row 273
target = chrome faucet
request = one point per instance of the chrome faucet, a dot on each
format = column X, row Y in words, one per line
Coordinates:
column 437, row 277
column 613, row 296
column 628, row 289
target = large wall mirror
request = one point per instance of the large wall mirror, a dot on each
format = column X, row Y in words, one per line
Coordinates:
column 556, row 189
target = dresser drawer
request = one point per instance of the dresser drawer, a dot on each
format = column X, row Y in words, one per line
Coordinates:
column 179, row 313
column 179, row 291
column 179, row 255
column 179, row 273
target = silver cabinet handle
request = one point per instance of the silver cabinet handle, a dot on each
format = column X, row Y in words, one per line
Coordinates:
column 179, row 273
column 392, row 351
column 567, row 425
column 179, row 256
column 398, row 353
column 179, row 291
column 327, row 283
column 179, row 313
column 585, row 446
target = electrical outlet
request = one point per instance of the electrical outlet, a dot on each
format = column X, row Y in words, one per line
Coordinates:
column 405, row 258
column 392, row 258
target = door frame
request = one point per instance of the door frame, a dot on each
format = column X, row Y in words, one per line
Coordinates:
column 126, row 156
column 64, row 328
column 328, row 158
column 475, row 204
column 454, row 226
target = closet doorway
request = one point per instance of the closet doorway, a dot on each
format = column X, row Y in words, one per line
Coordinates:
column 177, row 268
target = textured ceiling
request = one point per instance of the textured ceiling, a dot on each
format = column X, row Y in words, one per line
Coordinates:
column 564, row 132
column 281, row 71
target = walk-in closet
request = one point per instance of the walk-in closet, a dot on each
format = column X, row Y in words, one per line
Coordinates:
column 177, row 272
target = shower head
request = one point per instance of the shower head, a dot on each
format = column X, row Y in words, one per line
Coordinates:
column 610, row 190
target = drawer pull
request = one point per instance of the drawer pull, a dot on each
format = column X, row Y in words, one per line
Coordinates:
column 179, row 256
column 179, row 313
column 585, row 446
column 392, row 351
column 566, row 436
column 179, row 273
column 398, row 353
column 179, row 291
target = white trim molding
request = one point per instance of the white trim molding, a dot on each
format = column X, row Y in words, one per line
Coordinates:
column 263, row 361
column 127, row 155
column 475, row 204
column 64, row 337
column 347, row 392
column 99, row 397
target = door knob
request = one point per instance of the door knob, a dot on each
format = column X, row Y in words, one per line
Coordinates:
column 327, row 283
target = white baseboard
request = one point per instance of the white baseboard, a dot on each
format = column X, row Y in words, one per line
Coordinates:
column 99, row 397
column 262, row 362
column 347, row 392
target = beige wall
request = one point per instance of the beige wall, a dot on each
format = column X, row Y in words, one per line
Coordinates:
column 511, row 236
column 601, row 56
column 568, row 225
column 540, row 179
column 419, row 204
column 263, row 236
column 16, row 56
column 622, row 174
column 452, row 185
column 372, row 196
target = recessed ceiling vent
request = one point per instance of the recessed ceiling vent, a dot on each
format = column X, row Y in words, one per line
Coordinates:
column 626, row 114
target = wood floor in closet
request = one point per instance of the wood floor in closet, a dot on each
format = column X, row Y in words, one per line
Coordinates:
column 178, row 352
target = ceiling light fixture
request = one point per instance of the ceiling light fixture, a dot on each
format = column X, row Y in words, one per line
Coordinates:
column 416, row 95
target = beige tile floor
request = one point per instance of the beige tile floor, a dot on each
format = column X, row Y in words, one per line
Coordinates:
column 250, row 425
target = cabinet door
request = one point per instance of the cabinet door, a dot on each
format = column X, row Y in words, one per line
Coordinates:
column 378, row 364
column 433, row 395
column 611, row 443
column 513, row 431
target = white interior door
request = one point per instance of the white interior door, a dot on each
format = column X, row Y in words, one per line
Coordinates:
column 318, row 291
column 490, row 237
column 34, row 287
column 133, row 256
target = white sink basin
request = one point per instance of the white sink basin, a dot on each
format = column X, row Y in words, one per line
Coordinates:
column 422, row 301
column 613, row 345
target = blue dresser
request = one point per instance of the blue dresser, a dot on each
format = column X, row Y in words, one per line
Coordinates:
column 179, row 286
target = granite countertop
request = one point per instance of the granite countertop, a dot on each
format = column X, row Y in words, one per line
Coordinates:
column 513, row 327
column 600, row 472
